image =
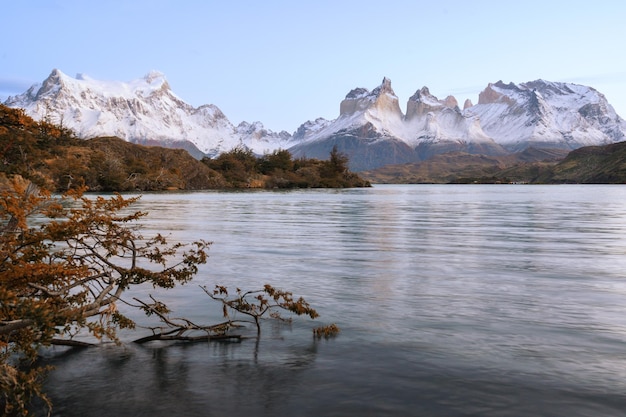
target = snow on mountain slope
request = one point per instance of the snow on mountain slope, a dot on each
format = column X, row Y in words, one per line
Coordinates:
column 261, row 140
column 430, row 125
column 546, row 114
column 142, row 111
column 508, row 118
column 431, row 120
column 378, row 109
column 371, row 128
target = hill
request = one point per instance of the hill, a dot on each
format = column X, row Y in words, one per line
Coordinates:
column 587, row 165
column 373, row 129
column 52, row 157
column 590, row 165
column 460, row 167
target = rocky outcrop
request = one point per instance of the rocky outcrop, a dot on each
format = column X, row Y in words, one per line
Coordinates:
column 382, row 100
column 421, row 103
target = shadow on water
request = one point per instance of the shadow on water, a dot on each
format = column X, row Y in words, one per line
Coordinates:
column 325, row 378
column 187, row 379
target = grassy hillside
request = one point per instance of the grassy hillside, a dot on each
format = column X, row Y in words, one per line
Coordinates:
column 587, row 165
column 591, row 165
column 52, row 157
column 460, row 167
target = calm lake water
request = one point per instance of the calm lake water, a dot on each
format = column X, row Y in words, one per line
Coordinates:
column 469, row 300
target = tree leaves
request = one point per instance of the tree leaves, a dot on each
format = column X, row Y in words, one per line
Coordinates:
column 65, row 263
column 257, row 303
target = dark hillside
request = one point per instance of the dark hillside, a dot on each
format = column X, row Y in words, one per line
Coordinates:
column 54, row 158
column 591, row 165
column 460, row 167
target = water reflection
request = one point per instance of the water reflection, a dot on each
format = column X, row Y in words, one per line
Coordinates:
column 202, row 379
column 452, row 300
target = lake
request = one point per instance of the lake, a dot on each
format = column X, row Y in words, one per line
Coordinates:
column 452, row 300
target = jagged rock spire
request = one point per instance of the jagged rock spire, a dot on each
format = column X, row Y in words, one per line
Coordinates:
column 382, row 98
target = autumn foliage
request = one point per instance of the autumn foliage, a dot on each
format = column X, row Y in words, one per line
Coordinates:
column 66, row 263
column 52, row 157
column 68, row 260
column 256, row 304
column 240, row 168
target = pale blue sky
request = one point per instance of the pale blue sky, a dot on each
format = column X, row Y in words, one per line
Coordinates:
column 286, row 62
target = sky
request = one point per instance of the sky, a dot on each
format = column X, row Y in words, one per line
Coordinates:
column 286, row 62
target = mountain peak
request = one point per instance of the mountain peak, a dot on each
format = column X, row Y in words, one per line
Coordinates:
column 547, row 114
column 55, row 73
column 384, row 88
column 423, row 102
column 52, row 84
column 55, row 77
column 495, row 92
column 422, row 94
column 370, row 125
column 451, row 102
column 154, row 75
column 358, row 93
column 156, row 79
column 382, row 98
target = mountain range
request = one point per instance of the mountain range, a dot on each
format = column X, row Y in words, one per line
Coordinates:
column 371, row 128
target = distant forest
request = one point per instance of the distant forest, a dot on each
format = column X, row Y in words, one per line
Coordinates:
column 53, row 157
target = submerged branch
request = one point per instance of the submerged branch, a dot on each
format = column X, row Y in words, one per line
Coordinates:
column 72, row 343
column 177, row 331
column 165, row 336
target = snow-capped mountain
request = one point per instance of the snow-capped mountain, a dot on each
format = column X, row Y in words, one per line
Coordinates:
column 141, row 111
column 547, row 114
column 371, row 128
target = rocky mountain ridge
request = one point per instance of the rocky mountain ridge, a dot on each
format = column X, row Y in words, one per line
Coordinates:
column 143, row 111
column 547, row 114
column 371, row 128
column 508, row 118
